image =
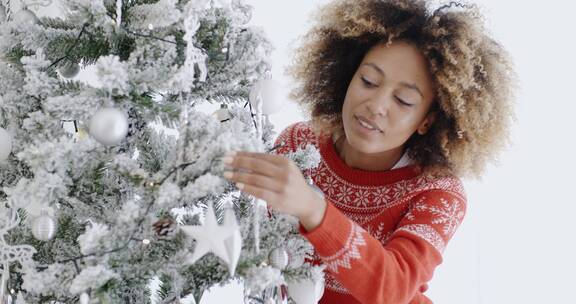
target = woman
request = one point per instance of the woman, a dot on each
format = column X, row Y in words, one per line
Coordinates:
column 404, row 102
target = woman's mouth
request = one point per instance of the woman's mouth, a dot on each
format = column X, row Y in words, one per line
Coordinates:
column 366, row 124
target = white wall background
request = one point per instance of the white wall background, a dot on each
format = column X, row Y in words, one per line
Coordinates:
column 517, row 243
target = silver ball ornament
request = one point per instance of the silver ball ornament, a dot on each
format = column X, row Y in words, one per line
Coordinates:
column 25, row 16
column 222, row 114
column 295, row 260
column 109, row 126
column 44, row 227
column 69, row 70
column 278, row 258
column 5, row 144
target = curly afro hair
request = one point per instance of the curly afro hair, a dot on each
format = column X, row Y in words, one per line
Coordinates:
column 473, row 76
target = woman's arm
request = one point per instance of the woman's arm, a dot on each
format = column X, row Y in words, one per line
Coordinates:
column 371, row 271
column 391, row 273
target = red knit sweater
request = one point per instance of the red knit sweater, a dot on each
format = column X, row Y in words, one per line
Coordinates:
column 383, row 232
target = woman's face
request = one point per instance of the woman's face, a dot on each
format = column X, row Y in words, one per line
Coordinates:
column 388, row 98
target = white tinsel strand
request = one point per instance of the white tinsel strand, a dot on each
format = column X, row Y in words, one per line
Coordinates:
column 8, row 7
column 182, row 139
column 258, row 203
column 4, row 282
column 118, row 13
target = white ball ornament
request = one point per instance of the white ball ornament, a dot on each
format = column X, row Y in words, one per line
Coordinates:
column 5, row 144
column 278, row 258
column 69, row 70
column 267, row 92
column 84, row 298
column 306, row 291
column 25, row 16
column 44, row 227
column 109, row 126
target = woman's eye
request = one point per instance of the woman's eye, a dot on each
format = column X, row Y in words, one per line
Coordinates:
column 403, row 102
column 367, row 83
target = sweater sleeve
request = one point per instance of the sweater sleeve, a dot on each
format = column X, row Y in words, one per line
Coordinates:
column 388, row 273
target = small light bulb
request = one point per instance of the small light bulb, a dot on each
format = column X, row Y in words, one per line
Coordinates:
column 145, row 241
column 12, row 291
column 224, row 50
column 150, row 26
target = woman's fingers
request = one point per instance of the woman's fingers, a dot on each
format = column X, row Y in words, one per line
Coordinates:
column 271, row 158
column 254, row 179
column 259, row 192
column 255, row 163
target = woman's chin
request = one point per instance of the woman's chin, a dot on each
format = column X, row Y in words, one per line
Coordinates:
column 363, row 146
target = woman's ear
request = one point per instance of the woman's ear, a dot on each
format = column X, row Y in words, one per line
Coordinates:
column 427, row 122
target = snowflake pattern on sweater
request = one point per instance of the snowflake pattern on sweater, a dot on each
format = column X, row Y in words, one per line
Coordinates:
column 384, row 232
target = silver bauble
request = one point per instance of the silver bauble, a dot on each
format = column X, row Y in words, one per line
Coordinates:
column 5, row 144
column 278, row 258
column 109, row 126
column 222, row 114
column 25, row 16
column 295, row 260
column 69, row 70
column 44, row 227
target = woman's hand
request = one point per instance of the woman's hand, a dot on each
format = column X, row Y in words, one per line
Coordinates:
column 278, row 181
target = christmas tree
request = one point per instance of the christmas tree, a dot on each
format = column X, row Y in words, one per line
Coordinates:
column 97, row 197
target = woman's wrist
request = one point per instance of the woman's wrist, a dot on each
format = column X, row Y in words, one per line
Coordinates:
column 313, row 218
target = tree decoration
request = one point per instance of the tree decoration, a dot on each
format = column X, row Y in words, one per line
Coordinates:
column 69, row 70
column 84, row 298
column 25, row 16
column 5, row 145
column 307, row 291
column 223, row 114
column 165, row 227
column 21, row 254
column 278, row 258
column 234, row 242
column 210, row 237
column 109, row 126
column 44, row 227
column 3, row 16
column 5, row 296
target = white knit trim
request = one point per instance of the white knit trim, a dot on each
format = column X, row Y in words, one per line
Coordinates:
column 426, row 232
column 349, row 252
column 334, row 285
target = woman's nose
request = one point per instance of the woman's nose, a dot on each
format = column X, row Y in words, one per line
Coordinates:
column 380, row 105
